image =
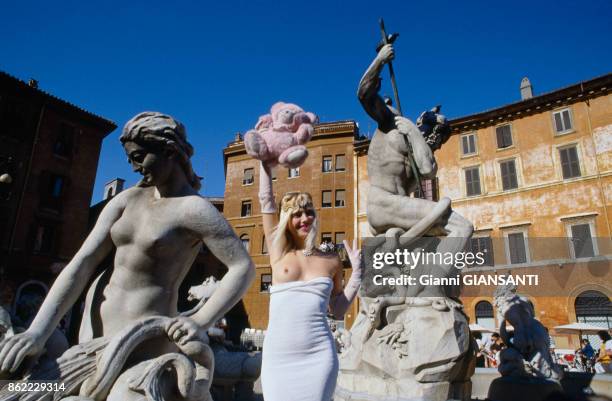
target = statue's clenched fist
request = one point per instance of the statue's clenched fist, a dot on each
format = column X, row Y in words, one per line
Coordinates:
column 386, row 53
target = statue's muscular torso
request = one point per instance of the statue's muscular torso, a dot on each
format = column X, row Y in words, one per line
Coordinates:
column 388, row 166
column 154, row 251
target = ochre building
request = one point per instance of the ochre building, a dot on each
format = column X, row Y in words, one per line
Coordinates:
column 535, row 178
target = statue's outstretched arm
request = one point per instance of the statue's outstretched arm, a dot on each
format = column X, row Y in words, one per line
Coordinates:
column 66, row 289
column 369, row 86
column 221, row 240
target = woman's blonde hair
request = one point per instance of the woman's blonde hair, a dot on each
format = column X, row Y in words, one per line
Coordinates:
column 282, row 240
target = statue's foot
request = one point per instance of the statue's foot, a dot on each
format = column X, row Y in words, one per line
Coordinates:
column 293, row 157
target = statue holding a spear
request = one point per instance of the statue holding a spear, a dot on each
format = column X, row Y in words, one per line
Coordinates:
column 408, row 342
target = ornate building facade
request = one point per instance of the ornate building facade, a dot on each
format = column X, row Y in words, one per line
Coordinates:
column 534, row 176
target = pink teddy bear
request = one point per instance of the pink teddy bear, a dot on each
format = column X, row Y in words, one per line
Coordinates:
column 279, row 137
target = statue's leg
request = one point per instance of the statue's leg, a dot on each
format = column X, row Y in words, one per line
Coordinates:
column 387, row 210
column 458, row 231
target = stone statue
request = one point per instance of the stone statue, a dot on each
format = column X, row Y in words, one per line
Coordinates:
column 529, row 337
column 527, row 369
column 6, row 324
column 229, row 366
column 133, row 344
column 407, row 342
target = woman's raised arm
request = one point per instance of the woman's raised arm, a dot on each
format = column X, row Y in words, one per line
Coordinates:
column 268, row 207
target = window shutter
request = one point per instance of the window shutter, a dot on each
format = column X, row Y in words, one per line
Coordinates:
column 567, row 123
column 340, row 162
column 466, row 148
column 340, row 201
column 516, row 242
column 558, row 122
column 582, row 241
column 327, row 197
column 472, row 181
column 569, row 162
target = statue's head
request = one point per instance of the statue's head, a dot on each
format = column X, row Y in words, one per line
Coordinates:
column 434, row 127
column 297, row 223
column 154, row 142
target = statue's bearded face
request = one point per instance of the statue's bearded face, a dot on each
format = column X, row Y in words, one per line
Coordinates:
column 153, row 162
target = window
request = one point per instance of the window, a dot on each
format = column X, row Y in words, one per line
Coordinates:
column 326, row 199
column 484, row 315
column 339, row 238
column 517, row 248
column 244, row 238
column 327, row 164
column 52, row 189
column 340, row 198
column 294, row 172
column 570, row 166
column 326, row 238
column 472, row 181
column 563, row 121
column 468, row 144
column 508, row 175
column 504, row 136
column 246, row 209
column 264, row 246
column 483, row 245
column 340, row 163
column 429, row 189
column 43, row 241
column 595, row 308
column 266, row 282
column 582, row 245
column 63, row 143
column 57, row 186
column 248, row 177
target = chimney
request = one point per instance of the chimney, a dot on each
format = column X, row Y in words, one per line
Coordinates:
column 526, row 89
column 238, row 137
column 113, row 187
column 32, row 83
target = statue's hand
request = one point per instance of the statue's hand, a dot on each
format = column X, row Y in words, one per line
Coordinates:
column 404, row 125
column 183, row 330
column 386, row 53
column 16, row 348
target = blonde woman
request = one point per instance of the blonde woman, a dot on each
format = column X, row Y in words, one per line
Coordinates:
column 300, row 361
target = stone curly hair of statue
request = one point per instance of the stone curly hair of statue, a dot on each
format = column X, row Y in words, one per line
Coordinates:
column 161, row 130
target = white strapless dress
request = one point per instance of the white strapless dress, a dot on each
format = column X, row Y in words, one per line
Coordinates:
column 300, row 362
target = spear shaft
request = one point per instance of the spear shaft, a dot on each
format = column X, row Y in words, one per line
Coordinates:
column 413, row 167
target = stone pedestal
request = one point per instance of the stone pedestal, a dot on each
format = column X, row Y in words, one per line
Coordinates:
column 423, row 353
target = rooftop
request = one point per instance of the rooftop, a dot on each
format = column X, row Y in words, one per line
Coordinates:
column 107, row 125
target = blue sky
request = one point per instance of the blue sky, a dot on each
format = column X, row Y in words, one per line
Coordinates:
column 217, row 66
